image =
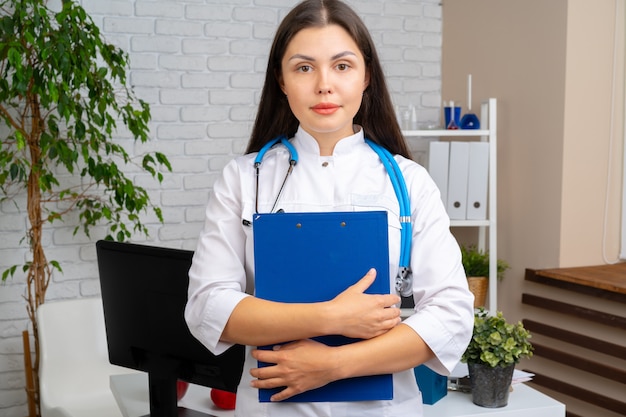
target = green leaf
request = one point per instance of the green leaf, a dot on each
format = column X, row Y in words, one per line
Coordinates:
column 53, row 91
column 9, row 272
column 14, row 171
column 56, row 266
column 15, row 59
column 20, row 141
column 79, row 129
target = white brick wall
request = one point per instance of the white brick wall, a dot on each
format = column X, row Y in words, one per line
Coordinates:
column 200, row 64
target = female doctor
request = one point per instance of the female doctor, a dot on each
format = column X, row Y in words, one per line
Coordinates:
column 325, row 90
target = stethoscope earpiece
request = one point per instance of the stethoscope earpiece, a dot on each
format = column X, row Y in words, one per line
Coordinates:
column 293, row 160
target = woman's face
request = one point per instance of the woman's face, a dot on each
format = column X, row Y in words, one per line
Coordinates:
column 324, row 76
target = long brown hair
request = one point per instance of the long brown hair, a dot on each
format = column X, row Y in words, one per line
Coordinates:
column 376, row 115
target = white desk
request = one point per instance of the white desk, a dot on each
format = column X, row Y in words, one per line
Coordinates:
column 524, row 401
column 131, row 393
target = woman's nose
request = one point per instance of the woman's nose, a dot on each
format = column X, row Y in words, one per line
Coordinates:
column 323, row 84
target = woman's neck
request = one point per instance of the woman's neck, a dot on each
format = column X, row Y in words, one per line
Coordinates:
column 327, row 141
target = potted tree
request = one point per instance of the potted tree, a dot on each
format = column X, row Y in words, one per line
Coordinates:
column 63, row 100
column 496, row 346
column 476, row 264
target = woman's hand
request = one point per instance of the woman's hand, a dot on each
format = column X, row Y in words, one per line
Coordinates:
column 361, row 315
column 298, row 366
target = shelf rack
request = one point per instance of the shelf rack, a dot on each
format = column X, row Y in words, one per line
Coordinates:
column 488, row 134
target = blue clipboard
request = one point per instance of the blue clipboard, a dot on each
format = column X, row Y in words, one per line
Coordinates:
column 312, row 257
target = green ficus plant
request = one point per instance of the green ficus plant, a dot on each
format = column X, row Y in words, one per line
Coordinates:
column 495, row 342
column 63, row 98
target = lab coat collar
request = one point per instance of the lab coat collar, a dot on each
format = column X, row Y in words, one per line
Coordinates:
column 304, row 142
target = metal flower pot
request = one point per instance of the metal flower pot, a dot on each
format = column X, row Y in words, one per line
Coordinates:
column 490, row 386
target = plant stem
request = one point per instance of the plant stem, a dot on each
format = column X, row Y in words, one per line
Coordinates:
column 38, row 276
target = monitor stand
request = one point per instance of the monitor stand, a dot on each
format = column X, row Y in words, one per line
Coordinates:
column 163, row 398
column 131, row 394
column 188, row 412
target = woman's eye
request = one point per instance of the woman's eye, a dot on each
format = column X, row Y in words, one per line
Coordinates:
column 343, row 67
column 304, row 68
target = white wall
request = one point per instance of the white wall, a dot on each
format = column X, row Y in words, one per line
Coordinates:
column 200, row 64
column 549, row 63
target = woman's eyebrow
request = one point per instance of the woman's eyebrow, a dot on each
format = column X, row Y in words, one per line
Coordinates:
column 342, row 54
column 303, row 57
column 309, row 58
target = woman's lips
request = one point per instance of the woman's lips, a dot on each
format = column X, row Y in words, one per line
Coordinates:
column 325, row 108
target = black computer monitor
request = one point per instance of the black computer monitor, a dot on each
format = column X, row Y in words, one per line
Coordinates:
column 144, row 292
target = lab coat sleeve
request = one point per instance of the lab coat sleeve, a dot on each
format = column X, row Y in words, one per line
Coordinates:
column 217, row 277
column 444, row 311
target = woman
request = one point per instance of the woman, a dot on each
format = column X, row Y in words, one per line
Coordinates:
column 325, row 90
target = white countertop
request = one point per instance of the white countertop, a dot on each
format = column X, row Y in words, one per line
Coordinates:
column 131, row 393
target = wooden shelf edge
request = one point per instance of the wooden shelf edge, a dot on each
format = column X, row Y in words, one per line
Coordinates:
column 604, row 281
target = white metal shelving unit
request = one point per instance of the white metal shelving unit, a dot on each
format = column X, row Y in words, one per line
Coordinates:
column 487, row 134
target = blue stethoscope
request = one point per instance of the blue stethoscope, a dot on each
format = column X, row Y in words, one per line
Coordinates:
column 404, row 277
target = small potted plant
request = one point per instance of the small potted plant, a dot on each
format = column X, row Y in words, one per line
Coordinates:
column 476, row 264
column 494, row 350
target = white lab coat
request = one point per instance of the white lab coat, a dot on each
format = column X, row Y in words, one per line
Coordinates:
column 353, row 178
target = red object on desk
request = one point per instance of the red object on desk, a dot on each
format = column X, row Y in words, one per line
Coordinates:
column 223, row 399
column 181, row 389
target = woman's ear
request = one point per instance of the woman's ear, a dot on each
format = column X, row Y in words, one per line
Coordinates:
column 281, row 83
column 366, row 82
